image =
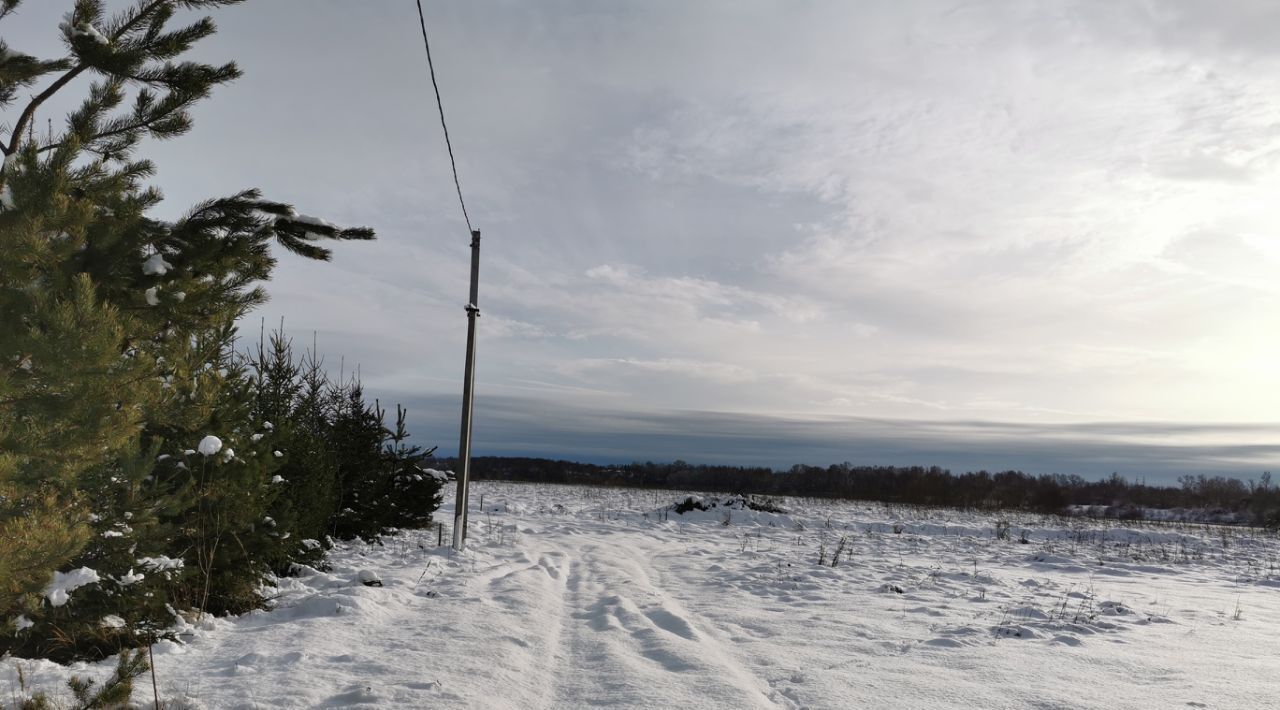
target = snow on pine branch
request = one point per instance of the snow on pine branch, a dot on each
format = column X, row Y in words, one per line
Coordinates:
column 64, row 583
column 327, row 228
column 299, row 232
column 311, row 228
column 155, row 265
column 84, row 29
column 209, row 445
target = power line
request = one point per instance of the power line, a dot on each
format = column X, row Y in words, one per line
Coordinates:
column 427, row 45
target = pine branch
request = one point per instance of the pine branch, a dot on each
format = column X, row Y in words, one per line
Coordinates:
column 124, row 25
column 19, row 70
column 120, row 128
column 25, row 117
column 7, row 7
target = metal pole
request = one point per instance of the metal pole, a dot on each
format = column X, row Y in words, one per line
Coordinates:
column 468, row 391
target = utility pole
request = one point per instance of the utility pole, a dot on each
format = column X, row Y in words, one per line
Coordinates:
column 468, row 393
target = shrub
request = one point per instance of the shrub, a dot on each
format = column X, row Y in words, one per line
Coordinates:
column 689, row 504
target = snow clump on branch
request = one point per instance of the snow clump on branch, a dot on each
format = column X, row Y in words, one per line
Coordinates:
column 155, row 265
column 209, row 445
column 58, row 591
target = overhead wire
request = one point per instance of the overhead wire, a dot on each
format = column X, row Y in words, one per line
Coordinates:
column 440, row 105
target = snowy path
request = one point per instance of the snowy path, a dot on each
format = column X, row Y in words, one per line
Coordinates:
column 623, row 638
column 577, row 598
column 584, row 616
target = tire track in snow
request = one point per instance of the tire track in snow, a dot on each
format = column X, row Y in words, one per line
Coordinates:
column 625, row 642
column 513, row 640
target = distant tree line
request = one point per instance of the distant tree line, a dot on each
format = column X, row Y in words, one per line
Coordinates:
column 1257, row 502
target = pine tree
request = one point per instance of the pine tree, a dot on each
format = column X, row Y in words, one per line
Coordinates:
column 71, row 391
column 116, row 344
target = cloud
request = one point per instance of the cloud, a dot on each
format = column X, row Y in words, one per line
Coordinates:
column 1044, row 213
column 717, row 372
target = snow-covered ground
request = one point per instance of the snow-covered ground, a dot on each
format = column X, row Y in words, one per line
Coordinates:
column 580, row 597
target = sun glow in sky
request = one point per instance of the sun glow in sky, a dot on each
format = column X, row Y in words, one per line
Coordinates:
column 1003, row 234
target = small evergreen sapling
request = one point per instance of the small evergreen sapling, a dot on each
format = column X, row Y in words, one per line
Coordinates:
column 415, row 492
column 356, row 445
column 290, row 393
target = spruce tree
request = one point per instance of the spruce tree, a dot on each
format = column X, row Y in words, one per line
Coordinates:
column 343, row 472
column 313, row 488
column 291, row 392
column 414, row 491
column 356, row 444
column 116, row 345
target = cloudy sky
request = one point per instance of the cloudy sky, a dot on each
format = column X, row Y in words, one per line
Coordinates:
column 973, row 234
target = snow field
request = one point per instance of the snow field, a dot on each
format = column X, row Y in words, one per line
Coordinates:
column 572, row 597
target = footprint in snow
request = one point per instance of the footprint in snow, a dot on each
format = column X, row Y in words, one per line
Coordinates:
column 358, row 696
column 671, row 623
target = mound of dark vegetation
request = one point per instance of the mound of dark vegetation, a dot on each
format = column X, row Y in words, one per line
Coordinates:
column 739, row 502
column 688, row 504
